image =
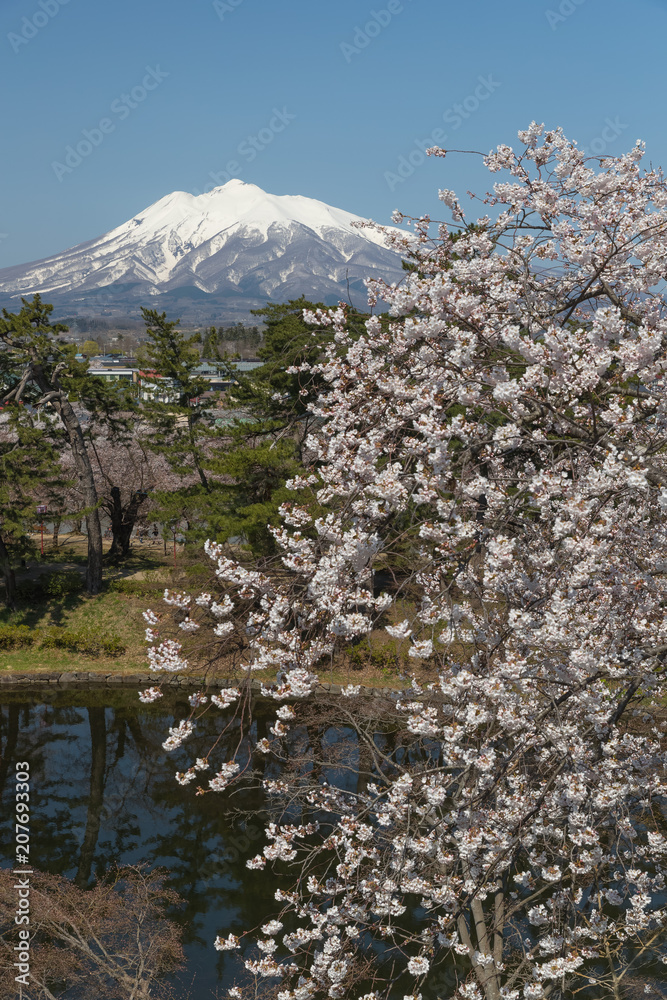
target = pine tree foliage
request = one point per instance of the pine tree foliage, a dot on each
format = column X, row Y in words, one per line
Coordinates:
column 179, row 423
column 265, row 445
column 29, row 473
column 38, row 367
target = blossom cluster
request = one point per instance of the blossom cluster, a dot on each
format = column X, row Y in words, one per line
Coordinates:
column 501, row 432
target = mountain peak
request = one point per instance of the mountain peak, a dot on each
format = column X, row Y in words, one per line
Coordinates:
column 229, row 187
column 236, row 240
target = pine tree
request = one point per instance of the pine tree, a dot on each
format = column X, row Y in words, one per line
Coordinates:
column 179, row 425
column 264, row 447
column 210, row 345
column 29, row 471
column 34, row 364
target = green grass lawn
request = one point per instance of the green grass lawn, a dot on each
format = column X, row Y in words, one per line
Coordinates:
column 118, row 615
column 110, row 614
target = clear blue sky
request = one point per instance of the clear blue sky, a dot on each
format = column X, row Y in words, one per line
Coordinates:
column 352, row 99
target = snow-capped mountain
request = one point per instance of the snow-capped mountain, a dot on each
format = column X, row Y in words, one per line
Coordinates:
column 234, row 246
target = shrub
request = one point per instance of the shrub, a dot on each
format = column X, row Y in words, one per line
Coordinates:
column 50, row 585
column 381, row 657
column 135, row 588
column 80, row 641
column 112, row 645
column 198, row 570
column 16, row 636
column 30, row 591
column 56, row 637
column 61, row 583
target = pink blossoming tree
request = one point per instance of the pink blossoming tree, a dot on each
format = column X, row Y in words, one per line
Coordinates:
column 509, row 425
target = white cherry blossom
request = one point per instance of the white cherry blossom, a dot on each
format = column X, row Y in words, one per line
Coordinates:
column 497, row 442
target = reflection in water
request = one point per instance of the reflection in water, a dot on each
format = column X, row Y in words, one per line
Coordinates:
column 103, row 792
column 98, row 756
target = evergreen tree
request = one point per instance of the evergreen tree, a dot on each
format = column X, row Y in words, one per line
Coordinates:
column 40, row 368
column 210, row 345
column 265, row 445
column 180, row 427
column 233, row 476
column 29, row 471
column 178, row 422
column 34, row 363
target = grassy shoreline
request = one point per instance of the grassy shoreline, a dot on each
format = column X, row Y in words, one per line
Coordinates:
column 111, row 613
column 117, row 613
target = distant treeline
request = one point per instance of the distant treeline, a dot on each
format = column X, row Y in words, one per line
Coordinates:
column 210, row 337
column 93, row 324
column 229, row 339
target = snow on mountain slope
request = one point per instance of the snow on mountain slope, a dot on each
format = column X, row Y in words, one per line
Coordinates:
column 235, row 240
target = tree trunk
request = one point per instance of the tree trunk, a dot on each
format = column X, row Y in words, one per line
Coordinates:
column 8, row 576
column 123, row 521
column 11, row 740
column 57, row 521
column 63, row 407
column 195, row 457
column 115, row 512
column 98, row 749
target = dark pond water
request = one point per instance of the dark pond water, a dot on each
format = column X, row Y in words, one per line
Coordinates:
column 103, row 792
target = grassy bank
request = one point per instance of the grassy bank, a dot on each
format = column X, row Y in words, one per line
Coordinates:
column 49, row 617
column 56, row 612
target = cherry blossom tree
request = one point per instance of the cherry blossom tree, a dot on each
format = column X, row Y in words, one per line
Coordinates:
column 509, row 425
column 126, row 473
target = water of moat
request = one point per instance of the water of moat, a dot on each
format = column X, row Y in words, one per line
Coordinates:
column 103, row 793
